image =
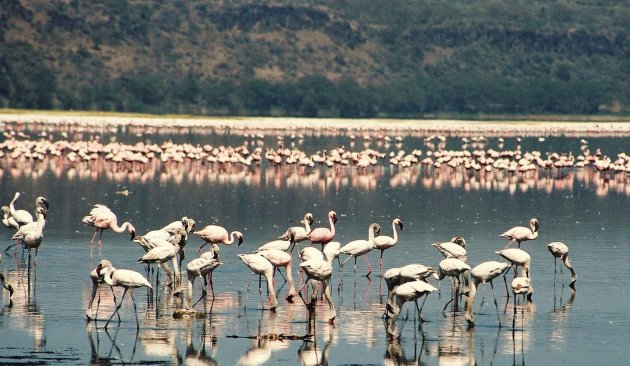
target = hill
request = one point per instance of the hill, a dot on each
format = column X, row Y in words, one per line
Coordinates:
column 353, row 58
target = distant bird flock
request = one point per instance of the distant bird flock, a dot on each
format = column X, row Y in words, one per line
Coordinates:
column 315, row 260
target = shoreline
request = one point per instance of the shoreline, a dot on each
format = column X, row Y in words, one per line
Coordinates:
column 75, row 121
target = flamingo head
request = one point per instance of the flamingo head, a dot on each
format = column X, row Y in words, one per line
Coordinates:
column 104, row 264
column 132, row 232
column 5, row 210
column 533, row 223
column 459, row 240
column 240, row 238
column 333, row 215
column 399, row 223
column 309, row 218
column 42, row 201
column 9, row 287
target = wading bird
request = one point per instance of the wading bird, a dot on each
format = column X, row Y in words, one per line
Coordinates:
column 383, row 242
column 361, row 247
column 410, row 291
column 453, row 268
column 319, row 270
column 102, row 218
column 214, row 234
column 96, row 282
column 483, row 273
column 561, row 250
column 322, row 235
column 124, row 278
column 202, row 267
column 262, row 267
column 298, row 234
column 521, row 233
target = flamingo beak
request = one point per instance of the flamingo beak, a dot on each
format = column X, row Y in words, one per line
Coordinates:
column 334, row 219
column 133, row 235
column 400, row 225
column 240, row 240
column 10, row 288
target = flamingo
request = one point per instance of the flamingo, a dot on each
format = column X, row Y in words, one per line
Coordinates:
column 453, row 268
column 397, row 276
column 8, row 220
column 124, row 278
column 310, row 253
column 22, row 217
column 383, row 242
column 298, row 233
column 410, row 291
column 102, row 218
column 262, row 267
column 450, row 249
column 162, row 254
column 322, row 235
column 214, row 234
column 201, row 267
column 521, row 286
column 332, row 251
column 517, row 257
column 361, row 247
column 483, row 273
column 280, row 258
column 96, row 282
column 167, row 238
column 319, row 270
column 31, row 235
column 521, row 233
column 561, row 250
column 280, row 244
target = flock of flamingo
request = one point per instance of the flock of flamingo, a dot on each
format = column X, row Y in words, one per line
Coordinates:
column 405, row 284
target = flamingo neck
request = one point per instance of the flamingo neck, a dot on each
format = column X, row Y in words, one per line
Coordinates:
column 120, row 229
column 332, row 225
column 395, row 236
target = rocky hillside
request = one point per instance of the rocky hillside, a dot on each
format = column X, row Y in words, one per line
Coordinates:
column 317, row 58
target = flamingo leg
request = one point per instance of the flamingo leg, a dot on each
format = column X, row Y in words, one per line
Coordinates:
column 135, row 310
column 496, row 304
column 380, row 262
column 262, row 302
column 368, row 264
column 117, row 308
column 510, row 243
column 344, row 262
column 507, row 292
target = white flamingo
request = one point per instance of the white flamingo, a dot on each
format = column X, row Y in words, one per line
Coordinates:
column 361, row 247
column 124, row 278
column 280, row 258
column 383, row 242
column 202, row 267
column 96, row 282
column 450, row 249
column 409, row 291
column 22, row 217
column 561, row 250
column 7, row 286
column 8, row 220
column 162, row 254
column 483, row 273
column 451, row 267
column 280, row 244
column 31, row 235
column 102, row 218
column 262, row 267
column 319, row 270
column 298, row 233
column 521, row 233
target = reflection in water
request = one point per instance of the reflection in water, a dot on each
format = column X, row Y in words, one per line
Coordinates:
column 456, row 341
column 23, row 311
column 200, row 355
column 560, row 316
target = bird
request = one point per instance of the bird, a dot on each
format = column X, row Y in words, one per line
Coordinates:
column 397, row 276
column 31, row 235
column 8, row 220
column 332, row 251
column 452, row 267
column 409, row 291
column 162, row 254
column 201, row 267
column 483, row 273
column 22, row 217
column 383, row 242
column 319, row 270
column 280, row 258
column 124, row 278
column 185, row 223
column 298, row 233
column 521, row 286
column 517, row 257
column 262, row 267
column 310, row 253
column 322, row 235
column 561, row 250
column 451, row 249
column 102, row 218
column 361, row 247
column 215, row 234
column 521, row 233
column 7, row 286
column 280, row 244
column 96, row 282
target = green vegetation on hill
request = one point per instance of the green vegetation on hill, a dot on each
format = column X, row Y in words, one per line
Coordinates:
column 352, row 58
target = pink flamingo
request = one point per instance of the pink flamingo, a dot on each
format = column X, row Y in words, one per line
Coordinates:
column 102, row 218
column 324, row 235
column 279, row 259
column 215, row 234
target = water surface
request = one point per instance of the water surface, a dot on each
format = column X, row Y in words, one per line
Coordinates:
column 579, row 207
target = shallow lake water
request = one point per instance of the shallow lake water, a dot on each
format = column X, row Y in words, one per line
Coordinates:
column 44, row 322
